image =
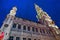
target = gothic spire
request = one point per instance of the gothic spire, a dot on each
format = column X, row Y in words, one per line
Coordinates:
column 39, row 10
column 44, row 16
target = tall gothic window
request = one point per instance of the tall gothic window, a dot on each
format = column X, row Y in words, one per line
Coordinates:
column 40, row 30
column 14, row 25
column 43, row 31
column 28, row 28
column 24, row 27
column 38, row 39
column 19, row 26
column 11, row 38
column 34, row 39
column 33, row 29
column 36, row 29
column 24, row 38
column 29, row 38
column 17, row 38
column 48, row 32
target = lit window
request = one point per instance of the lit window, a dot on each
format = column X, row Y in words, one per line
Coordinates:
column 24, row 27
column 19, row 26
column 33, row 29
column 11, row 38
column 17, row 38
column 28, row 28
column 24, row 38
column 29, row 38
column 14, row 25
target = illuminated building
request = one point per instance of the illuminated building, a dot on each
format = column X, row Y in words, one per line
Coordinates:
column 15, row 28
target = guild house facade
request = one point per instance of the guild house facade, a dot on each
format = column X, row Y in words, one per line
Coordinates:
column 15, row 28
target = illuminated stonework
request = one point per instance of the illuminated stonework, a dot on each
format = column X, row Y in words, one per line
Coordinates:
column 13, row 11
column 44, row 16
column 15, row 28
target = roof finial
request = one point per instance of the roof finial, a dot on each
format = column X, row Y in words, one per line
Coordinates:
column 13, row 11
column 39, row 11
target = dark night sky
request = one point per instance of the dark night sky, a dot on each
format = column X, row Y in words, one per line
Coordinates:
column 27, row 10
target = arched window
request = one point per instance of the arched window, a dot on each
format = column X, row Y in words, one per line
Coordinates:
column 36, row 29
column 24, row 38
column 28, row 28
column 48, row 31
column 29, row 38
column 11, row 38
column 33, row 29
column 19, row 26
column 34, row 39
column 40, row 30
column 24, row 27
column 43, row 30
column 17, row 38
column 14, row 25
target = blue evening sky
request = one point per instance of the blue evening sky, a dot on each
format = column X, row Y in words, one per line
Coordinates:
column 27, row 10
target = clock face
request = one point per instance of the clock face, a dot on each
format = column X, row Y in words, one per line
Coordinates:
column 6, row 25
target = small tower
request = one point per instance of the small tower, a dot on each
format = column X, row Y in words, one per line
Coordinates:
column 8, row 22
column 39, row 14
column 43, row 17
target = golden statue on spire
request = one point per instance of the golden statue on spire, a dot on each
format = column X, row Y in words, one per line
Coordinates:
column 13, row 11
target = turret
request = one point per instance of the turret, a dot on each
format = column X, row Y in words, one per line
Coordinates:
column 8, row 22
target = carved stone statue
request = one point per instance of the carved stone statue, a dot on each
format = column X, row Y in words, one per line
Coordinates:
column 13, row 11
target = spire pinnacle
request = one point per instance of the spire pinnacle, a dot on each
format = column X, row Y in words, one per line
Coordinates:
column 13, row 11
column 44, row 17
column 39, row 11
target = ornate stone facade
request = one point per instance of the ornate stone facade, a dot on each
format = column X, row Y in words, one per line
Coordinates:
column 15, row 28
